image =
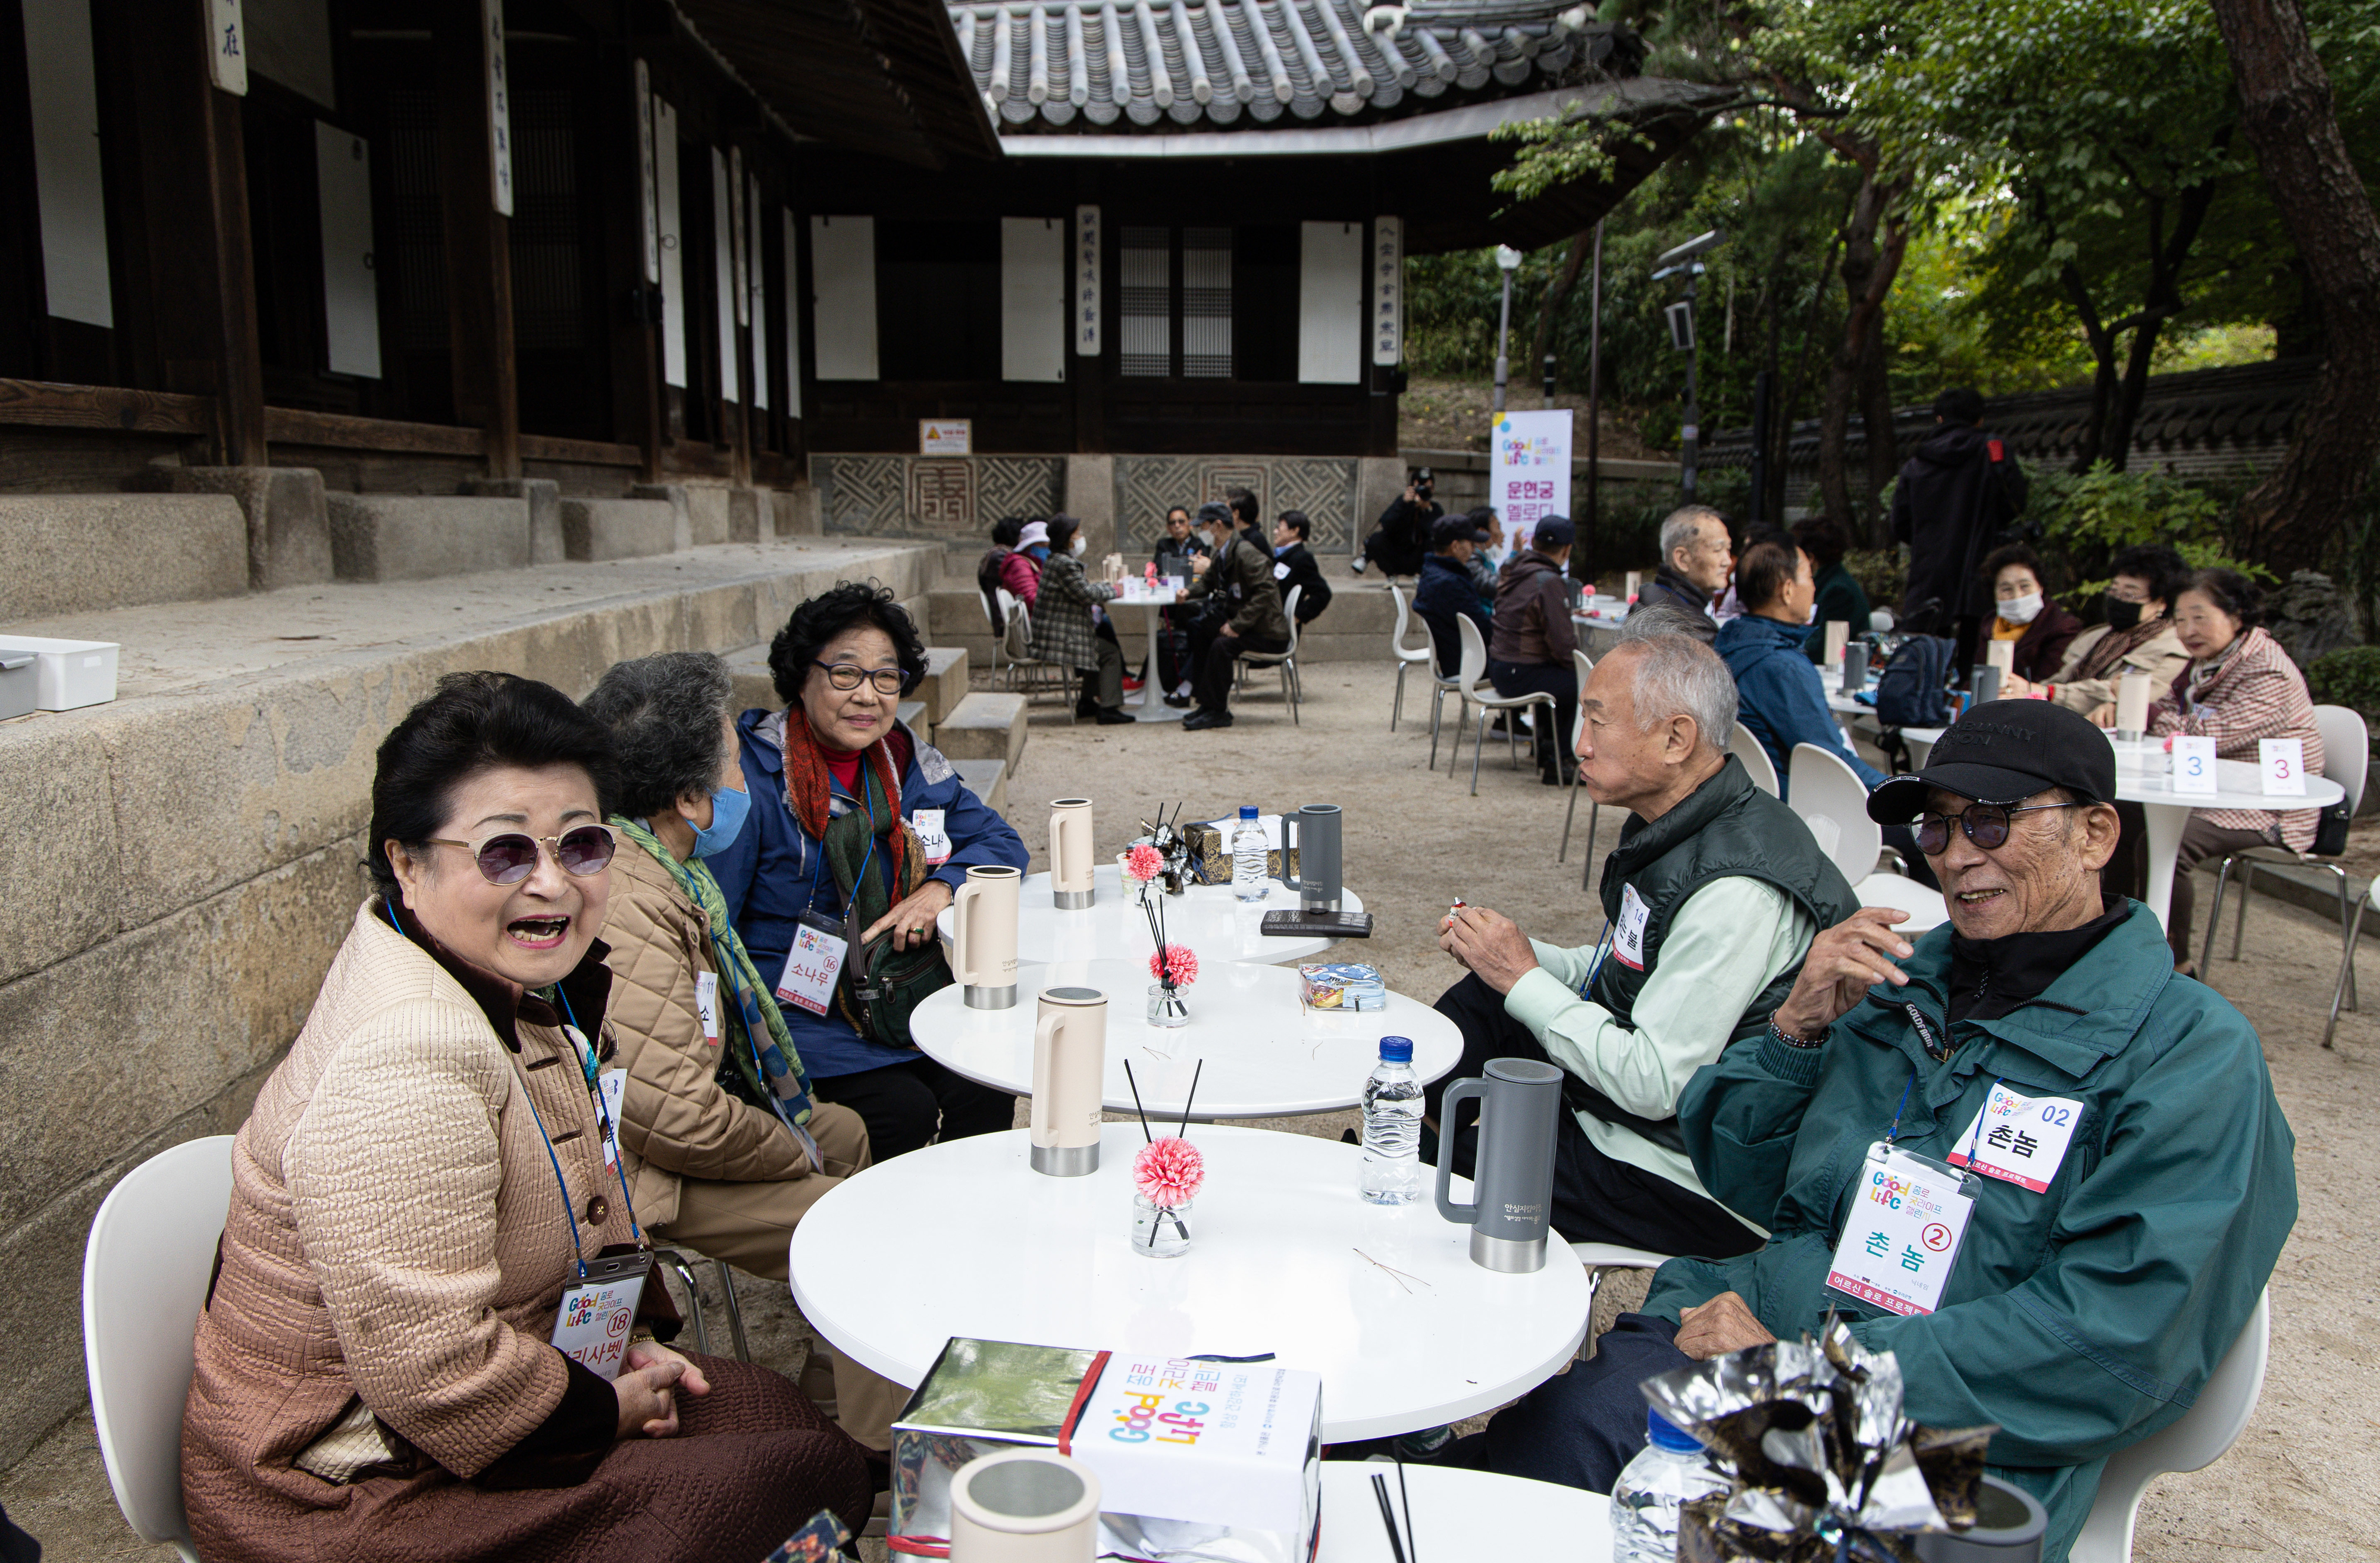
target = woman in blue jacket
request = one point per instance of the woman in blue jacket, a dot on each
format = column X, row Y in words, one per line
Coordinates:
column 835, row 780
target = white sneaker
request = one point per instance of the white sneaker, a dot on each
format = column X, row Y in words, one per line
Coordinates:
column 1358, row 565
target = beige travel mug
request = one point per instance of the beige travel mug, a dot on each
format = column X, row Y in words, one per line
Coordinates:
column 1025, row 1506
column 1070, row 862
column 983, row 919
column 2133, row 705
column 1070, row 1060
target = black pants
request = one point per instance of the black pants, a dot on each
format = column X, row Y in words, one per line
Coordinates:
column 1211, row 682
column 1596, row 1199
column 1579, row 1428
column 1395, row 556
column 1543, row 678
column 905, row 1105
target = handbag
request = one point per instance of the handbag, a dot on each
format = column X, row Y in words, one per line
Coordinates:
column 881, row 985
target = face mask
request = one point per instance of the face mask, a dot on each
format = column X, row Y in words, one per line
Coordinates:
column 2020, row 610
column 2121, row 614
column 1038, row 550
column 729, row 809
column 1079, row 545
column 1812, row 616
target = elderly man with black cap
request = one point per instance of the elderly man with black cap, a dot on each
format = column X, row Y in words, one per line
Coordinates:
column 1530, row 646
column 1243, row 613
column 2112, row 1175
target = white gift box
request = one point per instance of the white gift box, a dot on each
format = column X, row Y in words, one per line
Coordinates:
column 68, row 673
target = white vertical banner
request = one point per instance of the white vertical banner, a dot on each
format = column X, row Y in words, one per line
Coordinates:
column 350, row 293
column 737, row 228
column 1084, row 306
column 1388, row 290
column 673, row 243
column 500, row 107
column 227, row 46
column 1530, row 478
column 69, row 188
column 1331, row 294
column 647, row 188
column 843, row 292
column 755, row 287
column 1032, row 298
column 793, row 318
column 725, row 199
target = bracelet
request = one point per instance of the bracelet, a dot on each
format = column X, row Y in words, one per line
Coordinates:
column 1806, row 1045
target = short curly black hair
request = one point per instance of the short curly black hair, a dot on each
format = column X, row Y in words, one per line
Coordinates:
column 2234, row 593
column 663, row 713
column 845, row 606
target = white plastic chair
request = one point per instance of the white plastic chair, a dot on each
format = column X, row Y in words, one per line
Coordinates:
column 1406, row 655
column 1611, row 1256
column 1925, row 907
column 145, row 1270
column 1832, row 801
column 2347, row 756
column 2203, row 1436
column 1293, row 692
column 1756, row 760
column 1585, row 665
column 1476, row 690
column 1026, row 673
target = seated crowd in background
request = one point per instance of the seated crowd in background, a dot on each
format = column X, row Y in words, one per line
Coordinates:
column 2137, row 636
column 2025, row 617
column 1065, row 632
column 1447, row 591
column 1842, row 599
column 1783, row 703
column 1242, row 612
column 1531, row 639
column 1697, row 560
column 1296, row 568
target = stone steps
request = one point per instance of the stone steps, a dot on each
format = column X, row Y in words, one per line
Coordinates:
column 984, row 726
column 987, row 778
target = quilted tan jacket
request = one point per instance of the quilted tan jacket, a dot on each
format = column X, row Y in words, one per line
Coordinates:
column 675, row 1121
column 395, row 1232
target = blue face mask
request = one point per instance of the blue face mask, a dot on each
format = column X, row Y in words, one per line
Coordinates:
column 729, row 809
column 1038, row 550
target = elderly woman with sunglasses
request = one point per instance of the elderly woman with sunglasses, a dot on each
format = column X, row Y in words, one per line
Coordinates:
column 424, row 1179
column 859, row 828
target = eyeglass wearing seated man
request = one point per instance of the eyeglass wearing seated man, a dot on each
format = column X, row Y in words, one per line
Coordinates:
column 2101, row 1280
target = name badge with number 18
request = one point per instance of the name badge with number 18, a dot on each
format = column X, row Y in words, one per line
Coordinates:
column 592, row 1326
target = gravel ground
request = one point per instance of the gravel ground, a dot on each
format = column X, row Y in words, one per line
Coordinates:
column 1417, row 840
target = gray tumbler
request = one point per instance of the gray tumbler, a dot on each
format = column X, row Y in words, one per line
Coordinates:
column 1512, row 1184
column 1313, row 833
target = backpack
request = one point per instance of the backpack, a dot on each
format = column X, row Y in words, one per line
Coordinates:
column 1911, row 690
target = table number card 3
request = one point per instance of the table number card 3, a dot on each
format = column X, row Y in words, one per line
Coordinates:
column 2194, row 765
column 2281, row 763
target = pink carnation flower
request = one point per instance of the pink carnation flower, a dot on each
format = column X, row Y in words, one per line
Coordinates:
column 1144, row 862
column 1169, row 1172
column 1179, row 959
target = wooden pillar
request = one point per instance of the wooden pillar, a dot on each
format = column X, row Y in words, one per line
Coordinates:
column 193, row 268
column 479, row 236
column 637, row 393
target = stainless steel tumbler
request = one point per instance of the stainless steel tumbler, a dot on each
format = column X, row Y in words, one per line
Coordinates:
column 1512, row 1184
column 1314, row 833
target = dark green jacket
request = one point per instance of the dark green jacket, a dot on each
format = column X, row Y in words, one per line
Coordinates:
column 2080, row 1320
column 1842, row 599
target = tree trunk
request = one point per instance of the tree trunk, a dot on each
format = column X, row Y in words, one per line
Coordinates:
column 1868, row 271
column 1549, row 308
column 2285, row 103
column 1875, row 402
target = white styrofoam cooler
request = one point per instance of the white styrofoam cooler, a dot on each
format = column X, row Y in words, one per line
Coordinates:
column 68, row 673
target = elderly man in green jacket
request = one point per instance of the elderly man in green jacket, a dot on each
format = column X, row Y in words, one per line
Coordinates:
column 2129, row 1178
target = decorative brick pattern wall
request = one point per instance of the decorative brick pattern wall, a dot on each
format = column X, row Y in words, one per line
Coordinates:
column 904, row 496
column 1323, row 486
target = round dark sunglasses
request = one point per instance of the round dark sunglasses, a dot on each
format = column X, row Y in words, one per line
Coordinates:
column 1987, row 825
column 509, row 856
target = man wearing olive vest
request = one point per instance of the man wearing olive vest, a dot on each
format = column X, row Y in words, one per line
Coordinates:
column 1710, row 902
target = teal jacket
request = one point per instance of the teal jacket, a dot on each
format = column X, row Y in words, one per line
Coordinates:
column 2080, row 1320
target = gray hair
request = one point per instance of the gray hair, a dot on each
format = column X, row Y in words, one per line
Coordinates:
column 1675, row 676
column 663, row 713
column 1684, row 528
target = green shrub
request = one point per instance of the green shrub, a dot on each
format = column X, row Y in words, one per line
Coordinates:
column 2086, row 517
column 2349, row 676
column 1880, row 573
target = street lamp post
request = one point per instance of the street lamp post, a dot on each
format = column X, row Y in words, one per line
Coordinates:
column 1687, row 260
column 1508, row 260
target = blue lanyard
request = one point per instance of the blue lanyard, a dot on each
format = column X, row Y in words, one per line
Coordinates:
column 818, row 862
column 1602, row 953
column 1894, row 1132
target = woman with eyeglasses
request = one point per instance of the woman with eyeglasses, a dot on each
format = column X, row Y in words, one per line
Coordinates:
column 2239, row 688
column 2138, row 637
column 860, row 830
column 417, row 1195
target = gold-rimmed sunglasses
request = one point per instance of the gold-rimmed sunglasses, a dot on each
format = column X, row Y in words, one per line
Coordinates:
column 507, row 857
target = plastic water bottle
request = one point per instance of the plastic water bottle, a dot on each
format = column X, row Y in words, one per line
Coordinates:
column 1392, row 1105
column 1668, row 1472
column 1248, row 853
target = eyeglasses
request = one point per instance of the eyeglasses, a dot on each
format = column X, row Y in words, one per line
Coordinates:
column 1986, row 824
column 849, row 676
column 510, row 856
column 2122, row 594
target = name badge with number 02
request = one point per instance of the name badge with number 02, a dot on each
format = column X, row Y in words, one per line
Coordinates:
column 596, row 1313
column 1901, row 1240
column 814, row 962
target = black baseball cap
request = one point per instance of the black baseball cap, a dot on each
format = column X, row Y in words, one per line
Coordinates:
column 1214, row 510
column 1455, row 528
column 2001, row 752
column 1554, row 531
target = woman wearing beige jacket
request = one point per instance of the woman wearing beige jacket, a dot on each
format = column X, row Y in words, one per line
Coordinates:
column 420, row 1180
column 724, row 1147
column 2138, row 637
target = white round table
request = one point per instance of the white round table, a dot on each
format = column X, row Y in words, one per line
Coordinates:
column 1459, row 1516
column 2169, row 811
column 1207, row 918
column 963, row 1238
column 1266, row 1055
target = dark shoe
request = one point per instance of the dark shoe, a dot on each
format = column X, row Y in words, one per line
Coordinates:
column 1108, row 718
column 1177, row 701
column 1198, row 721
column 1085, row 710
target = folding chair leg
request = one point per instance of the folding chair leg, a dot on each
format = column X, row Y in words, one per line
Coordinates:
column 693, row 1296
column 1478, row 743
column 1437, row 703
column 2346, row 964
column 1569, row 812
column 2214, row 914
column 2341, row 875
column 1397, row 705
column 2240, row 918
column 1290, row 695
column 1586, row 858
column 734, row 1309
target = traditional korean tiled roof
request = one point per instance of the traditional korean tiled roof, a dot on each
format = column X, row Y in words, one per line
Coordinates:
column 1121, row 66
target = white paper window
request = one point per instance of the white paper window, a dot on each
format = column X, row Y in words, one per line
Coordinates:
column 1330, row 303
column 1207, row 303
column 350, row 297
column 843, row 281
column 1032, row 298
column 672, row 244
column 69, row 196
column 1145, row 301
column 722, row 250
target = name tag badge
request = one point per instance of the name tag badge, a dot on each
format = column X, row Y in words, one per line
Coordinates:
column 610, row 1086
column 2194, row 765
column 1281, row 571
column 2020, row 1139
column 1628, row 935
column 706, row 1004
column 2282, row 760
column 927, row 823
column 813, row 962
column 1902, row 1237
column 596, row 1314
